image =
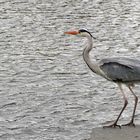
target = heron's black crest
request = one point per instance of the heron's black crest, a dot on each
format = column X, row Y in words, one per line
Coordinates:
column 83, row 30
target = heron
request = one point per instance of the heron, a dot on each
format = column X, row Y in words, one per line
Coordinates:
column 120, row 70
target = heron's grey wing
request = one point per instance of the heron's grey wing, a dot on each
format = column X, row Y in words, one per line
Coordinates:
column 121, row 69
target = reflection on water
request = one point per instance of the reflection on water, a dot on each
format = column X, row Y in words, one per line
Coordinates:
column 46, row 89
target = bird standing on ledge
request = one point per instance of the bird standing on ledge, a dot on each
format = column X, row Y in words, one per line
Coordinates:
column 120, row 70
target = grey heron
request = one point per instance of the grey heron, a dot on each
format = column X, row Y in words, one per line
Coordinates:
column 120, row 70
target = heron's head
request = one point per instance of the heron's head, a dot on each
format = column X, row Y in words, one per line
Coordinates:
column 81, row 32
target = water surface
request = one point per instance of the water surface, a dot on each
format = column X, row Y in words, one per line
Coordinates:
column 46, row 90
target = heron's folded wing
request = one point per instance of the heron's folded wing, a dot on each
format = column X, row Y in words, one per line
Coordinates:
column 121, row 69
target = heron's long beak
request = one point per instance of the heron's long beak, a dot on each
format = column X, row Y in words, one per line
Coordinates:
column 72, row 32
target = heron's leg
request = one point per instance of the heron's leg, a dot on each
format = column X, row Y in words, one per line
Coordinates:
column 125, row 104
column 131, row 123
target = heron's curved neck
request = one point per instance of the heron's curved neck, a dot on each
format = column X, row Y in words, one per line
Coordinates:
column 92, row 65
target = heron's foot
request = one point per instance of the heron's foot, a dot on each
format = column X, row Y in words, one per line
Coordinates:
column 131, row 123
column 114, row 125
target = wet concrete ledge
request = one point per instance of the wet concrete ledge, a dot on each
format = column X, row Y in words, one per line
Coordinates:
column 125, row 133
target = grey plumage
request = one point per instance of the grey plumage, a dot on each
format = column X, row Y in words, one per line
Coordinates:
column 121, row 69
